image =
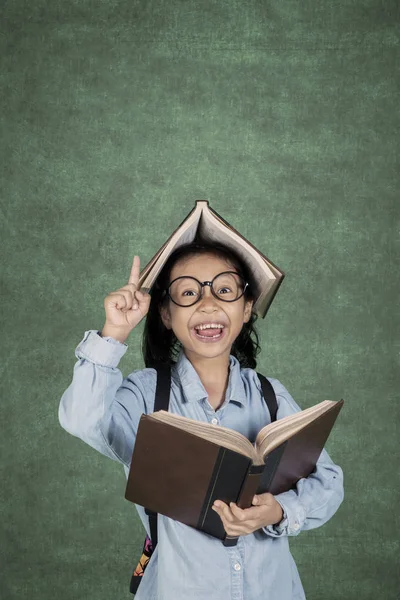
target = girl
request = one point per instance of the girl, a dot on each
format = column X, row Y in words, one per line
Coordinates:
column 212, row 379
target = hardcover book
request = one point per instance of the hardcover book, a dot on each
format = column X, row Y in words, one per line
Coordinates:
column 204, row 223
column 180, row 466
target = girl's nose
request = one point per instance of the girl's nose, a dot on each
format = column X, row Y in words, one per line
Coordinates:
column 207, row 295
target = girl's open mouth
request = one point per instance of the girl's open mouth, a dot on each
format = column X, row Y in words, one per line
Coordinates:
column 209, row 336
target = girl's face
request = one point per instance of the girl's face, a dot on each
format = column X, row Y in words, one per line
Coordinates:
column 183, row 319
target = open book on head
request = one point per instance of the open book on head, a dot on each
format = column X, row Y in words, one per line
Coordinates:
column 180, row 466
column 204, row 223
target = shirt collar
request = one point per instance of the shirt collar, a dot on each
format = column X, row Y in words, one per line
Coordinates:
column 193, row 389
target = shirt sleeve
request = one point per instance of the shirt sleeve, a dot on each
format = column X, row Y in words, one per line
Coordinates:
column 316, row 498
column 101, row 407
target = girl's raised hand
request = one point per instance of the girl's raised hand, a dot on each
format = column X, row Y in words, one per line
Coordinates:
column 126, row 307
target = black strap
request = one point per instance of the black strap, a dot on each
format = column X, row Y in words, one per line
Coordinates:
column 161, row 402
column 269, row 396
column 163, row 387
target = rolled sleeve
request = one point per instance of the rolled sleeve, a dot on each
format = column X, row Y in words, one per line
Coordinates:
column 106, row 352
column 315, row 498
column 293, row 518
column 99, row 406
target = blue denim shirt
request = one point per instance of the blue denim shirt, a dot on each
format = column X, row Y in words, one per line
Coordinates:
column 103, row 409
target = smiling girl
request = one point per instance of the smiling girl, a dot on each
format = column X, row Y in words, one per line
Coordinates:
column 199, row 320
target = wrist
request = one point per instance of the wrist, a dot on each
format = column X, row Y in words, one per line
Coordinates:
column 279, row 513
column 115, row 333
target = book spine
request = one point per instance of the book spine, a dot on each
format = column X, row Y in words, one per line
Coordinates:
column 229, row 473
column 250, row 486
column 260, row 477
column 244, row 499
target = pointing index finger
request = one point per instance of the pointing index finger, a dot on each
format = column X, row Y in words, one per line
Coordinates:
column 135, row 271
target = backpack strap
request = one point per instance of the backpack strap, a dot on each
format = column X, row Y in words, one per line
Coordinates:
column 269, row 396
column 161, row 402
column 163, row 387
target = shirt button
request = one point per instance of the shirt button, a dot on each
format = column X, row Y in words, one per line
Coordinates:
column 296, row 526
column 214, row 421
column 237, row 567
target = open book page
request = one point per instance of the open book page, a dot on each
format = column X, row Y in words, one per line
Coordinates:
column 213, row 228
column 214, row 215
column 183, row 235
column 211, row 217
column 274, row 434
column 149, row 267
column 270, row 437
column 223, row 436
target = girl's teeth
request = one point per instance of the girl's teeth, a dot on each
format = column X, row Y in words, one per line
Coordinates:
column 208, row 337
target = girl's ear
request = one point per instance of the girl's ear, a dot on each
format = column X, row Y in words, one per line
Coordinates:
column 247, row 311
column 166, row 317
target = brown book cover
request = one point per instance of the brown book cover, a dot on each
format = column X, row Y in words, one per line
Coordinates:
column 179, row 474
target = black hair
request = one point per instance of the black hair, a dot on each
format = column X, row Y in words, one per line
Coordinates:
column 160, row 345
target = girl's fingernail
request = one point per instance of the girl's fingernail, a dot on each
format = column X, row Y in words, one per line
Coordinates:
column 135, row 306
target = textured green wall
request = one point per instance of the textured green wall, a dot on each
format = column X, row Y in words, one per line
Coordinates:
column 117, row 116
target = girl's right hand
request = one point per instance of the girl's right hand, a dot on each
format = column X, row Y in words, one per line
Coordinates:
column 126, row 307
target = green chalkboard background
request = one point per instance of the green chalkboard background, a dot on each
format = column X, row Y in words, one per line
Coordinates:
column 117, row 115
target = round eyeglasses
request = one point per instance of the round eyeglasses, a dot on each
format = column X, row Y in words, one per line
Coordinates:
column 228, row 286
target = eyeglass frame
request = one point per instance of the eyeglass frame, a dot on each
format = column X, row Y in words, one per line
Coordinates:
column 202, row 285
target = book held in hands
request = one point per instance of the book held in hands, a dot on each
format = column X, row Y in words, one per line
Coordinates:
column 180, row 466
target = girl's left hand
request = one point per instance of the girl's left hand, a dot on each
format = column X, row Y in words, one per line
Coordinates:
column 237, row 521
